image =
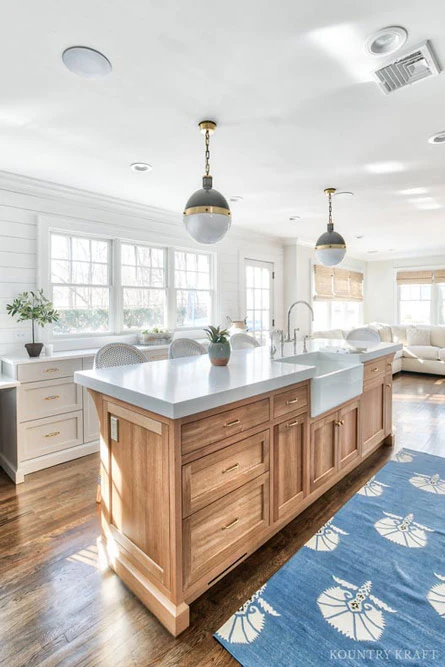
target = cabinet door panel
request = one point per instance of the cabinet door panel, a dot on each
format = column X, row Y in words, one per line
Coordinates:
column 349, row 434
column 323, row 446
column 289, row 464
column 373, row 416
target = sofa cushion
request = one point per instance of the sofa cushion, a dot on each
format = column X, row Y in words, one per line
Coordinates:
column 384, row 331
column 416, row 336
column 442, row 354
column 398, row 354
column 399, row 334
column 438, row 336
column 421, row 352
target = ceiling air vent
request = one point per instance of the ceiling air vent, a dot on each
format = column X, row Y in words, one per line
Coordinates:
column 419, row 64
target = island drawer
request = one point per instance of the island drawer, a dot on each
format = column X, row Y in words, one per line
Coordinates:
column 51, row 397
column 290, row 401
column 213, row 476
column 48, row 370
column 373, row 369
column 52, row 434
column 202, row 432
column 213, row 533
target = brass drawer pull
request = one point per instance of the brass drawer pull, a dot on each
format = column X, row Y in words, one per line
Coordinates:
column 52, row 435
column 295, row 423
column 234, row 423
column 51, row 370
column 231, row 524
column 231, row 469
column 294, row 400
column 52, row 398
column 374, row 370
column 339, row 422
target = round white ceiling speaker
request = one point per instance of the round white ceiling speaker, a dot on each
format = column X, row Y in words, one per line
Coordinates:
column 86, row 62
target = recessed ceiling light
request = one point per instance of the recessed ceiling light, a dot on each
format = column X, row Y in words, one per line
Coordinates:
column 344, row 195
column 413, row 191
column 391, row 249
column 438, row 138
column 86, row 62
column 385, row 167
column 294, row 217
column 359, row 237
column 236, row 198
column 140, row 167
column 386, row 41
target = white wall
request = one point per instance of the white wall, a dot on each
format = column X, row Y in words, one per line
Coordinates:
column 381, row 301
column 23, row 200
column 298, row 267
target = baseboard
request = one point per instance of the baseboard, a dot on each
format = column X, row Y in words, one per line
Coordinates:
column 12, row 472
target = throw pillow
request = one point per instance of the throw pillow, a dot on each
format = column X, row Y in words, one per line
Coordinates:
column 419, row 336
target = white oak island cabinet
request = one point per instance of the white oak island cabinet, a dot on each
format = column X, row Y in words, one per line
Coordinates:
column 201, row 465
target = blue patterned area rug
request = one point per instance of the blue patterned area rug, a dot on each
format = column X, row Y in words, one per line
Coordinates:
column 367, row 589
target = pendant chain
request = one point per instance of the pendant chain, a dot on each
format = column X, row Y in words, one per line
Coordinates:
column 330, row 209
column 207, row 153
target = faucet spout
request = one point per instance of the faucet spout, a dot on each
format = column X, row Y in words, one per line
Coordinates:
column 289, row 313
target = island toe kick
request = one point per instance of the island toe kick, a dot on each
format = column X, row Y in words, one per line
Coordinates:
column 184, row 501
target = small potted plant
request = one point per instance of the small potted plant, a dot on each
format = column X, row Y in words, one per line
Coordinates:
column 219, row 347
column 36, row 307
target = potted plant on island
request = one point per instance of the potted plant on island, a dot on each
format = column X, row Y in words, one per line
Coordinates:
column 36, row 307
column 219, row 346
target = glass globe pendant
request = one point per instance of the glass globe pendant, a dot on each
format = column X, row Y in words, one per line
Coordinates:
column 331, row 247
column 207, row 216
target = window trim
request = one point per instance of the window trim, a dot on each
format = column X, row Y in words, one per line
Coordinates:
column 434, row 305
column 58, row 225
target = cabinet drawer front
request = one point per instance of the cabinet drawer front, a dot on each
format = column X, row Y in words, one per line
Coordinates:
column 290, row 401
column 48, row 370
column 51, row 434
column 203, row 432
column 213, row 476
column 53, row 397
column 374, row 369
column 212, row 533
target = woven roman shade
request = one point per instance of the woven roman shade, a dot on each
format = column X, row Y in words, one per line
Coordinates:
column 356, row 285
column 439, row 276
column 324, row 287
column 341, row 284
column 414, row 277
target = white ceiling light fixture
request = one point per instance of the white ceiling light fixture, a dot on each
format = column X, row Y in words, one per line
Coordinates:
column 359, row 237
column 331, row 247
column 294, row 217
column 86, row 62
column 438, row 138
column 140, row 167
column 207, row 216
column 386, row 41
column 236, row 198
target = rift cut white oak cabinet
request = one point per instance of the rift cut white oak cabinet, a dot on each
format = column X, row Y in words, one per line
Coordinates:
column 201, row 465
column 47, row 419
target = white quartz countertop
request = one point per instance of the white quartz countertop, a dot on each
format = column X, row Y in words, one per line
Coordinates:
column 7, row 382
column 14, row 360
column 180, row 387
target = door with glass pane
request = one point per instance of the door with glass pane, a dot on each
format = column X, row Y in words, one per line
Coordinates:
column 259, row 298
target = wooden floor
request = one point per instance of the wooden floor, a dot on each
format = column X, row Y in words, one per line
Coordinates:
column 58, row 608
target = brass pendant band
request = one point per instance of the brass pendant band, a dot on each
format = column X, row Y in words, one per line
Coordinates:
column 207, row 209
column 330, row 245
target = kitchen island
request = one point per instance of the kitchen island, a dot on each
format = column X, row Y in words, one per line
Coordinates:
column 200, row 465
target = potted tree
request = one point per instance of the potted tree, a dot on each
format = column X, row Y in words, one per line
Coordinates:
column 219, row 347
column 36, row 307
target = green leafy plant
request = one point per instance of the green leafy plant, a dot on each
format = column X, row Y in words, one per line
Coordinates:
column 33, row 306
column 216, row 334
column 155, row 330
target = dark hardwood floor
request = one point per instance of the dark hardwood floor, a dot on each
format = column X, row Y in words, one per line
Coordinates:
column 58, row 608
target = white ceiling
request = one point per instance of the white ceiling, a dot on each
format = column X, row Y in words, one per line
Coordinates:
column 288, row 83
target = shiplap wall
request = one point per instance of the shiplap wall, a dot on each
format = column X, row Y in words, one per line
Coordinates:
column 23, row 201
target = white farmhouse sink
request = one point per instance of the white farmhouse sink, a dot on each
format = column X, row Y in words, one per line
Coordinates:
column 337, row 379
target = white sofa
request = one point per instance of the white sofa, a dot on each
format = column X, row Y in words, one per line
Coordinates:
column 423, row 345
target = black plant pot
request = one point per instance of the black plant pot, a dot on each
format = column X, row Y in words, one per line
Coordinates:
column 34, row 349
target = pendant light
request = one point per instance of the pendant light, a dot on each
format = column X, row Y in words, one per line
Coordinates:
column 207, row 215
column 331, row 247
